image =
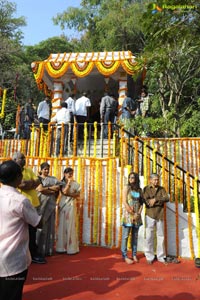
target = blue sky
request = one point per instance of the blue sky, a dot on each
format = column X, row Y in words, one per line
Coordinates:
column 38, row 15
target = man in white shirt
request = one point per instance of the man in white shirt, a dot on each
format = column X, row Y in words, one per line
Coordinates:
column 62, row 117
column 44, row 112
column 82, row 106
column 71, row 106
column 16, row 212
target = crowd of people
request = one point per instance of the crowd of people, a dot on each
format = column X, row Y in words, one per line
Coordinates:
column 28, row 220
column 80, row 110
column 39, row 203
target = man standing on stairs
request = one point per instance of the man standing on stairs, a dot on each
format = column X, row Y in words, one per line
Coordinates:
column 82, row 108
column 44, row 112
column 155, row 196
column 62, row 117
column 108, row 111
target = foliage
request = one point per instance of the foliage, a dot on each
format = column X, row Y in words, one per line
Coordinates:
column 10, row 37
column 190, row 125
column 172, row 50
column 40, row 52
column 105, row 25
column 149, row 126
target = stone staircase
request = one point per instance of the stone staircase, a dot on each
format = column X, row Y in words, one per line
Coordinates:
column 102, row 148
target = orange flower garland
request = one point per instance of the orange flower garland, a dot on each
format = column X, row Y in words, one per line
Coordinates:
column 136, row 164
column 96, row 202
column 81, row 200
column 189, row 216
column 85, row 139
column 100, row 200
column 89, row 187
column 154, row 160
column 107, row 206
column 176, row 208
column 109, row 137
column 75, row 139
column 92, row 202
column 196, row 210
column 114, row 201
column 110, row 206
column 95, row 139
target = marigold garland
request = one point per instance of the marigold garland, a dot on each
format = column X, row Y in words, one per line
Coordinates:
column 114, row 201
column 41, row 140
column 62, row 139
column 191, row 152
column 121, row 198
column 145, row 164
column 114, row 144
column 107, row 69
column 82, row 71
column 165, row 209
column 110, row 206
column 89, row 188
column 189, row 216
column 85, row 139
column 107, row 205
column 32, row 140
column 196, row 210
column 126, row 152
column 75, row 139
column 154, row 160
column 176, row 208
column 13, row 146
column 92, row 201
column 96, row 202
column 81, row 201
column 145, row 169
column 136, row 163
column 95, row 139
column 109, row 136
column 56, row 70
column 196, row 158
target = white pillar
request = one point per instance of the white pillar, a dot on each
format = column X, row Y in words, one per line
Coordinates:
column 122, row 89
column 57, row 96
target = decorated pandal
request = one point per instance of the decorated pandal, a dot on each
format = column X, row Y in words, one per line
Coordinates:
column 92, row 72
column 102, row 178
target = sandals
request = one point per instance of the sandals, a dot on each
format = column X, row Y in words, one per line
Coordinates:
column 172, row 259
column 128, row 261
column 135, row 259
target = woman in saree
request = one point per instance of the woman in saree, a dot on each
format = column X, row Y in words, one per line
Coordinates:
column 67, row 237
column 48, row 192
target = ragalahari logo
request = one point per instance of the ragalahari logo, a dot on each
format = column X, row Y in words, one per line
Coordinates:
column 155, row 8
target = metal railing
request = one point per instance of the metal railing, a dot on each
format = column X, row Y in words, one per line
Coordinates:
column 136, row 152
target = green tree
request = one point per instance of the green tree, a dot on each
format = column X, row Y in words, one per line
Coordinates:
column 10, row 37
column 10, row 57
column 105, row 25
column 171, row 55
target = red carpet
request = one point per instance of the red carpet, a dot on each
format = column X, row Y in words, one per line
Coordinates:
column 100, row 274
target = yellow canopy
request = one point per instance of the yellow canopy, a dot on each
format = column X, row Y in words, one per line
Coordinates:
column 63, row 66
